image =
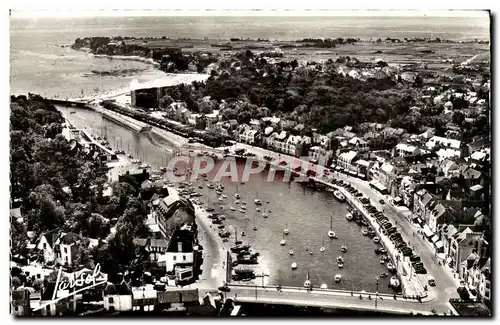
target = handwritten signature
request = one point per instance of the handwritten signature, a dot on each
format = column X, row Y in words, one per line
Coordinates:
column 84, row 282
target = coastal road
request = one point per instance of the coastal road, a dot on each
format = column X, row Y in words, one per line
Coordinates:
column 328, row 299
column 446, row 284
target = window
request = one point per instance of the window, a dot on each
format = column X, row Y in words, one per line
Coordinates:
column 487, row 285
column 65, row 250
column 44, row 245
column 184, row 257
column 175, row 257
column 111, row 300
column 38, row 276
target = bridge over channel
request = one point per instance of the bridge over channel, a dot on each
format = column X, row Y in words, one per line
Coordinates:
column 328, row 298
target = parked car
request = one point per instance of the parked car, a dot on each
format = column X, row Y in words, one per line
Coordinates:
column 159, row 286
column 224, row 288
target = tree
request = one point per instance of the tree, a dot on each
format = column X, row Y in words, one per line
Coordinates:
column 458, row 118
column 123, row 191
column 165, row 101
column 15, row 282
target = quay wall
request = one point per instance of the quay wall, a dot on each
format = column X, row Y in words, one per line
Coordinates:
column 126, row 121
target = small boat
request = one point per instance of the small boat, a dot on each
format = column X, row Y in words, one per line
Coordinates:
column 383, row 275
column 254, row 226
column 72, row 112
column 349, row 216
column 220, row 199
column 376, row 240
column 394, row 282
column 232, row 209
column 257, row 201
column 243, row 207
column 264, row 215
column 210, row 209
column 364, row 232
column 340, row 265
column 294, row 266
column 200, row 186
column 390, row 267
column 224, row 196
column 237, row 196
column 244, row 203
column 210, row 186
column 340, row 259
column 337, row 278
column 290, row 252
column 243, row 210
column 257, row 209
column 237, row 202
column 343, row 249
column 283, row 241
column 243, row 234
column 310, row 252
column 307, row 283
column 382, row 261
column 323, row 286
column 339, row 196
column 286, row 231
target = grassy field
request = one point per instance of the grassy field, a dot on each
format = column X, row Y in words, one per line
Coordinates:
column 436, row 56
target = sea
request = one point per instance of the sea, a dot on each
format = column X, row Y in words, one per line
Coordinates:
column 42, row 63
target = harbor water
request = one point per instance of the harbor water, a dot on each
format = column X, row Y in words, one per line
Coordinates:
column 306, row 213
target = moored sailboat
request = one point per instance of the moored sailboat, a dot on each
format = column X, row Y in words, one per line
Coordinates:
column 331, row 233
column 307, row 283
column 283, row 241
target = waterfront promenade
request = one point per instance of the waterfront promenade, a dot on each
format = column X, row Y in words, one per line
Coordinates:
column 214, row 251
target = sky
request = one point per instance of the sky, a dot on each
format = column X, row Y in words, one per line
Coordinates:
column 186, row 12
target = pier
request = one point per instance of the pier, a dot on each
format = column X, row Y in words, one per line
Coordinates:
column 68, row 103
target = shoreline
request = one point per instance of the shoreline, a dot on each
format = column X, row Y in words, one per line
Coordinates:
column 125, row 58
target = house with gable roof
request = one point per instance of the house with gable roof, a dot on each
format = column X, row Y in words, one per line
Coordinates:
column 46, row 243
column 462, row 244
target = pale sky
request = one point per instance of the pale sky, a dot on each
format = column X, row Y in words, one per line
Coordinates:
column 192, row 12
